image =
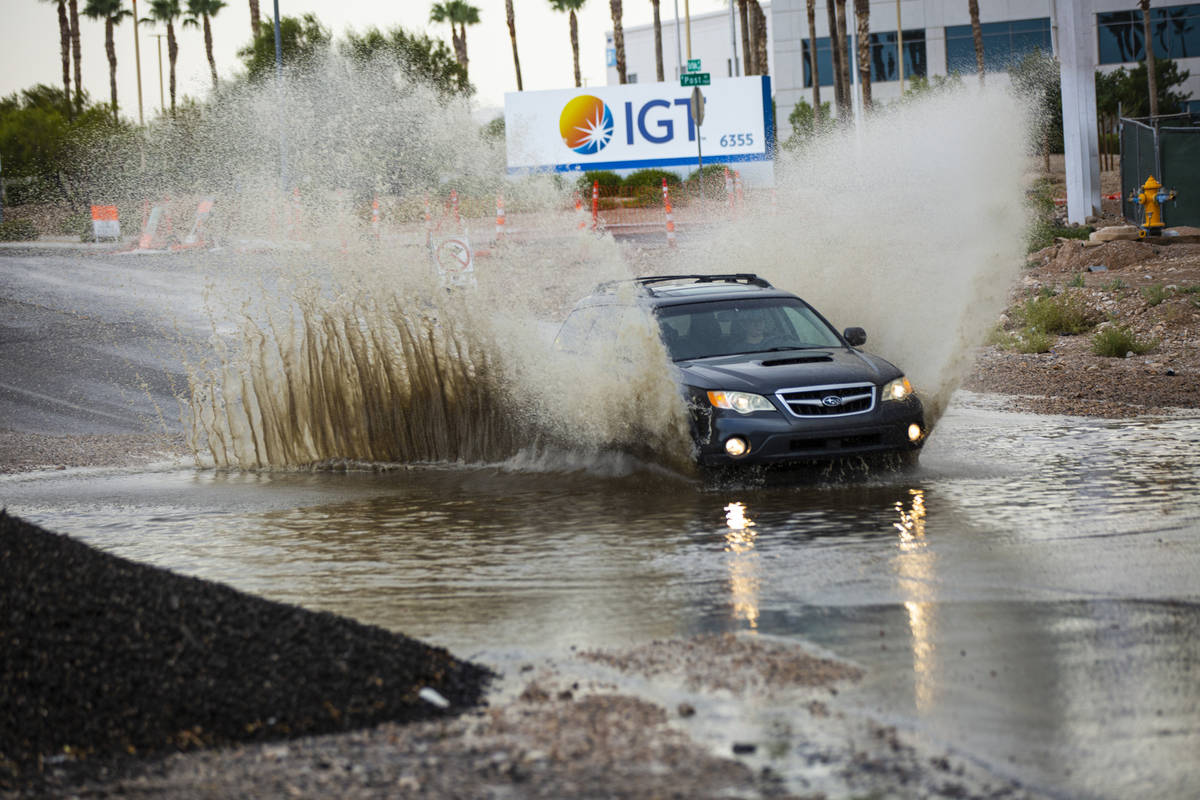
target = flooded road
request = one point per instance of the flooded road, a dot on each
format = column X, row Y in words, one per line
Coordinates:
column 1028, row 597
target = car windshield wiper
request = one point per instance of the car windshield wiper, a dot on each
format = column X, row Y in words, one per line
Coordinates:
column 784, row 348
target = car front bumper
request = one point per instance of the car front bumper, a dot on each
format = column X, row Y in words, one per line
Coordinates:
column 777, row 438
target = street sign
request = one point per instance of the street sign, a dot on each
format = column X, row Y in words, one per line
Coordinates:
column 697, row 106
column 693, row 65
column 695, row 79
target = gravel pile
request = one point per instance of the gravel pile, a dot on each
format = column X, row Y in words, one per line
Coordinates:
column 102, row 659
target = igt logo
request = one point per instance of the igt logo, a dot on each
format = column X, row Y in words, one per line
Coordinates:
column 586, row 123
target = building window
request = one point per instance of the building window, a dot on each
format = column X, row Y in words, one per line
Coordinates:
column 1004, row 44
column 1175, row 31
column 883, row 58
column 631, row 77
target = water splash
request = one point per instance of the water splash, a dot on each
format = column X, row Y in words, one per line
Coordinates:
column 913, row 229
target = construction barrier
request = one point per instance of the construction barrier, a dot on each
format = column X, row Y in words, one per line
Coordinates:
column 595, row 205
column 582, row 221
column 375, row 217
column 196, row 236
column 499, row 217
column 105, row 223
column 156, row 226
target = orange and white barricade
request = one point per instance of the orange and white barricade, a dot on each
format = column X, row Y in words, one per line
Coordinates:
column 156, row 225
column 196, row 236
column 375, row 217
column 595, row 205
column 106, row 223
column 500, row 217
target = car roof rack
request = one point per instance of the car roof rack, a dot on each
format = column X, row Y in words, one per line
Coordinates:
column 646, row 281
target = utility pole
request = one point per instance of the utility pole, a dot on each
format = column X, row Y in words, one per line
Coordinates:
column 279, row 100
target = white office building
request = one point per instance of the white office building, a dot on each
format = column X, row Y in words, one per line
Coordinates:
column 936, row 35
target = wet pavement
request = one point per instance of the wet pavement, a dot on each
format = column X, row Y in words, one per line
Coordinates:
column 1028, row 598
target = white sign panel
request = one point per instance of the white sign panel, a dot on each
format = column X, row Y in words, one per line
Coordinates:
column 638, row 125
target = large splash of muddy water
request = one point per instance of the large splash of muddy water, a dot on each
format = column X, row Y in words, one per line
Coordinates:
column 912, row 227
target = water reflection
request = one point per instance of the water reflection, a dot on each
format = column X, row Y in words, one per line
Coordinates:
column 745, row 580
column 915, row 568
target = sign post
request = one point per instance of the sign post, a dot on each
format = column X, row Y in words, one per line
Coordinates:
column 696, row 106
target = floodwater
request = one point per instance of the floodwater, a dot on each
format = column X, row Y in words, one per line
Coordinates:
column 1028, row 597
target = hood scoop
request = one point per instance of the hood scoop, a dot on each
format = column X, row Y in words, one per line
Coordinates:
column 815, row 358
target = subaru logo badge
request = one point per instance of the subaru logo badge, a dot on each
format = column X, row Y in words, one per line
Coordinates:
column 831, row 400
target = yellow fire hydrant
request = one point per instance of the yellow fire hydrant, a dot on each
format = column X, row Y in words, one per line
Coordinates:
column 1151, row 199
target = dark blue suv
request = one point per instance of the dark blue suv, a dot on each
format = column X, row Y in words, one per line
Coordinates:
column 768, row 380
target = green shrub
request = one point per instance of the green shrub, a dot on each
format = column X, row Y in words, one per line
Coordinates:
column 1155, row 294
column 17, row 230
column 708, row 182
column 1059, row 314
column 1031, row 340
column 653, row 179
column 1116, row 342
column 1077, row 282
column 1115, row 285
column 610, row 183
column 1043, row 233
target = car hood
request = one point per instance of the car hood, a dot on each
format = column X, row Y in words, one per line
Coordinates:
column 764, row 373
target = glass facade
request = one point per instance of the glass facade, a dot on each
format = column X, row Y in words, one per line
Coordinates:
column 1004, row 43
column 883, row 58
column 1175, row 31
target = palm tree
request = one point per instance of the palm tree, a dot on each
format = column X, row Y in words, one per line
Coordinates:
column 844, row 49
column 64, row 40
column 167, row 11
column 512, row 34
column 205, row 10
column 112, row 13
column 758, row 37
column 862, row 14
column 462, row 14
column 614, row 6
column 658, row 61
column 1151, row 77
column 977, row 34
column 811, row 8
column 571, row 6
column 255, row 22
column 835, row 50
column 73, row 7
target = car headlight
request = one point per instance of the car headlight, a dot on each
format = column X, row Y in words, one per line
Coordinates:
column 899, row 389
column 741, row 402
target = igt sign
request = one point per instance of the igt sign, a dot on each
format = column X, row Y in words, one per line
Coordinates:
column 636, row 126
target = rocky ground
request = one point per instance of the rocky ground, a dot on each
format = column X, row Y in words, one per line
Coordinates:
column 1150, row 287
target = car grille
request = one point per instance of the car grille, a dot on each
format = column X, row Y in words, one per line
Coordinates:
column 829, row 401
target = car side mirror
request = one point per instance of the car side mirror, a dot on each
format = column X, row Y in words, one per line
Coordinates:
column 856, row 337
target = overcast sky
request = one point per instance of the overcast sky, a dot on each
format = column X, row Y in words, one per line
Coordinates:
column 29, row 44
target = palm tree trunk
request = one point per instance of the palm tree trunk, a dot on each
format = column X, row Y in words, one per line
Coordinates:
column 614, row 6
column 744, row 17
column 977, row 34
column 172, row 54
column 658, row 60
column 758, row 37
column 73, row 6
column 835, row 50
column 512, row 34
column 844, row 51
column 255, row 22
column 64, row 37
column 862, row 14
column 812, row 61
column 212, row 64
column 575, row 47
column 1151, row 72
column 110, row 47
column 462, row 37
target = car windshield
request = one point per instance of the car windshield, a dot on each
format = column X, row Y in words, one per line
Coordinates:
column 729, row 327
